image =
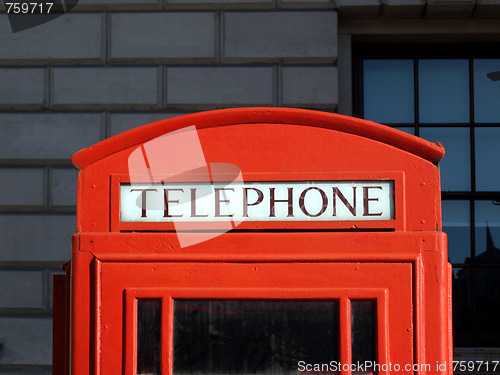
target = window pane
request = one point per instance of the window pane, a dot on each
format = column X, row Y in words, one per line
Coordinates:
column 463, row 334
column 456, row 224
column 364, row 333
column 443, row 90
column 455, row 166
column 488, row 305
column 487, row 149
column 388, row 91
column 487, row 90
column 253, row 336
column 487, row 232
column 148, row 336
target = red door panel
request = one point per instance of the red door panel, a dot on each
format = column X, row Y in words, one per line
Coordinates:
column 353, row 287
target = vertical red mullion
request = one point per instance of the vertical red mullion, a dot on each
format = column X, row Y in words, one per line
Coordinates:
column 97, row 268
column 345, row 336
column 130, row 334
column 382, row 339
column 167, row 343
column 418, row 329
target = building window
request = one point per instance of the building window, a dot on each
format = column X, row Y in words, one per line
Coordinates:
column 450, row 94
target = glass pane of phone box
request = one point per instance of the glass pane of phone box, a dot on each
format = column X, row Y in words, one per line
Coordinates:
column 253, row 336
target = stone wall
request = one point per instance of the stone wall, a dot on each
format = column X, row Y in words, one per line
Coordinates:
column 111, row 65
column 106, row 67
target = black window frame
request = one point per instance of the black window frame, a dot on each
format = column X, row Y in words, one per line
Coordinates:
column 416, row 51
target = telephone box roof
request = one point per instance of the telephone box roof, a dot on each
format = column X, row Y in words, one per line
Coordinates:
column 432, row 152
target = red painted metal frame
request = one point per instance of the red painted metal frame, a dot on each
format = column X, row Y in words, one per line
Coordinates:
column 344, row 295
column 114, row 265
column 60, row 327
column 306, row 149
column 114, row 262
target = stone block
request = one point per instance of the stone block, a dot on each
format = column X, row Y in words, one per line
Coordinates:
column 219, row 4
column 487, row 9
column 62, row 188
column 121, row 122
column 106, row 88
column 217, row 87
column 71, row 38
column 288, row 37
column 358, row 9
column 305, row 4
column 22, row 187
column 449, row 9
column 32, row 371
column 310, row 87
column 52, row 136
column 118, row 4
column 22, row 88
column 171, row 37
column 49, row 238
column 26, row 341
column 22, row 289
column 399, row 9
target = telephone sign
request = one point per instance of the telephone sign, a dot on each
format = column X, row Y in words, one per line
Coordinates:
column 257, row 241
column 258, row 201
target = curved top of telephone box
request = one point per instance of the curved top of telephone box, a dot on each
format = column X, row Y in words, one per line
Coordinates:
column 318, row 156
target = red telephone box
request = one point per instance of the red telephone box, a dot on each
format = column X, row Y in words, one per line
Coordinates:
column 260, row 240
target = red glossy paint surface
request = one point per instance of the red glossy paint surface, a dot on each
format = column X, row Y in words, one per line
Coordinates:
column 402, row 263
column 317, row 146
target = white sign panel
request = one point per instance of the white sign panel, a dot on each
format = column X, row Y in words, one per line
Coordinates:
column 257, row 201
